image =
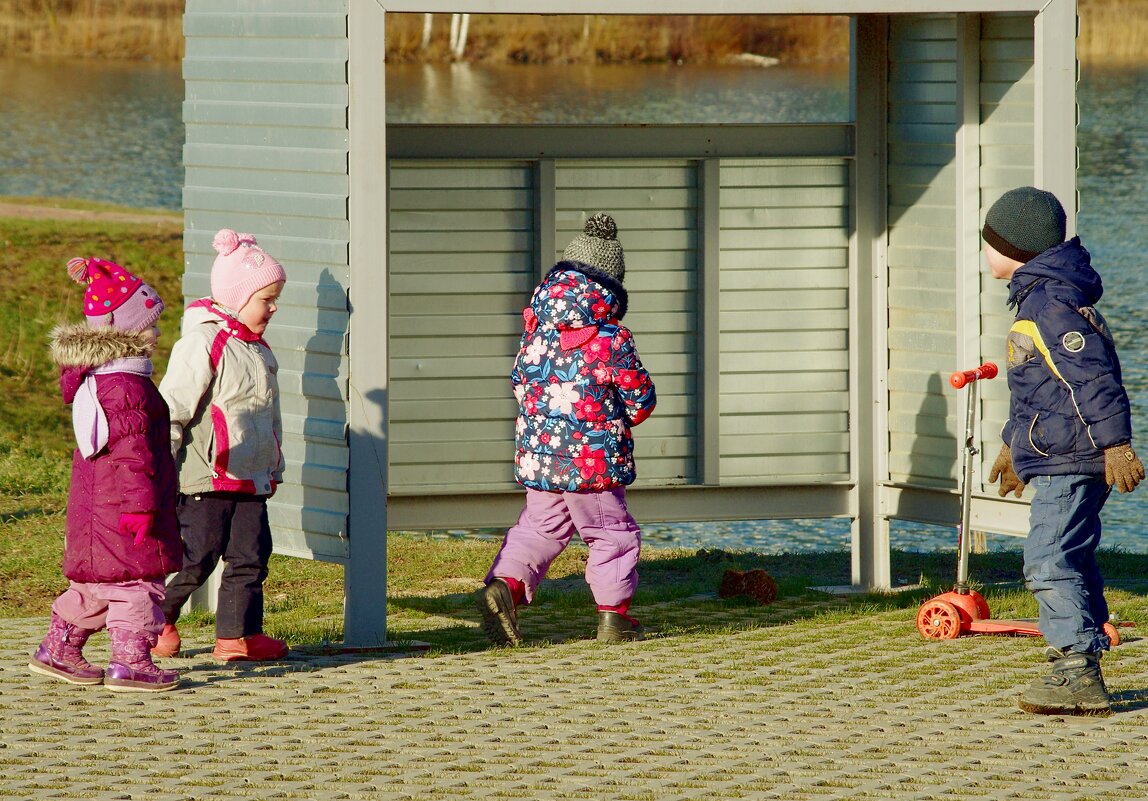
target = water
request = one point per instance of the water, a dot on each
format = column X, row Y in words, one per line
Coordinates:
column 113, row 133
column 606, row 95
column 99, row 131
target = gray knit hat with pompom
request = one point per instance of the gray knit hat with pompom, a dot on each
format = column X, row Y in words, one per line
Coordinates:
column 598, row 246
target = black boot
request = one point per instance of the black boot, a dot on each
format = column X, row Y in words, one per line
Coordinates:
column 615, row 627
column 1075, row 687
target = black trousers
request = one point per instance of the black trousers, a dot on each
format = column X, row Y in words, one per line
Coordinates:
column 231, row 526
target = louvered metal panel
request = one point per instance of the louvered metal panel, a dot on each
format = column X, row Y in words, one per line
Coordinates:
column 784, row 321
column 461, row 267
column 922, row 346
column 265, row 113
column 1007, row 155
column 655, row 205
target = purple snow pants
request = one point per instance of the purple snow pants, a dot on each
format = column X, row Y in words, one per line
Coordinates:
column 545, row 527
column 132, row 605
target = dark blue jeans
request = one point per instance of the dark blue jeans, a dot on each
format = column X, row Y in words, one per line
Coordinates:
column 1060, row 561
column 231, row 526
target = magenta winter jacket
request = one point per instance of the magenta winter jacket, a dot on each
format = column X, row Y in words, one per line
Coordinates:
column 134, row 472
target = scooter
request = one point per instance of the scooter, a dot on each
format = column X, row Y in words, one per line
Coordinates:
column 963, row 610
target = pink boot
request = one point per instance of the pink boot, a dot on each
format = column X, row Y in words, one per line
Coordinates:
column 131, row 668
column 61, row 656
column 168, row 643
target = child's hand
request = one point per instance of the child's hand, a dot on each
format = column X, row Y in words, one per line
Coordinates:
column 137, row 523
column 1122, row 467
column 1002, row 469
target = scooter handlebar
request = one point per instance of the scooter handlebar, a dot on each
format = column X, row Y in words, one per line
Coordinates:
column 961, row 377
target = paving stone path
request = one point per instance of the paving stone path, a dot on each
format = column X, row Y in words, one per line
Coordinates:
column 789, row 712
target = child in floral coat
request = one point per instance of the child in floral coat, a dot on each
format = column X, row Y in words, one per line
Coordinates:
column 580, row 386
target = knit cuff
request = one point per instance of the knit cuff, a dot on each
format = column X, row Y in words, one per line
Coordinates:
column 1005, row 248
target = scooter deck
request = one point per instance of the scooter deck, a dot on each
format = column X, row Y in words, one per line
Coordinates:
column 1023, row 626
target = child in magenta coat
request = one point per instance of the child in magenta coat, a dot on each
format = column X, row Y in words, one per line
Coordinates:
column 580, row 386
column 121, row 534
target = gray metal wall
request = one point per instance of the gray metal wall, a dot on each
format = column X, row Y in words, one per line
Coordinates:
column 1007, row 160
column 738, row 265
column 784, row 321
column 462, row 239
column 464, row 235
column 921, row 249
column 926, row 417
column 266, row 153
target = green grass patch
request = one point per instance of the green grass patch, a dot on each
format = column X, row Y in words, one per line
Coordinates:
column 36, row 294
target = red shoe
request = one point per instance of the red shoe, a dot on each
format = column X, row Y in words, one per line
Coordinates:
column 168, row 643
column 252, row 648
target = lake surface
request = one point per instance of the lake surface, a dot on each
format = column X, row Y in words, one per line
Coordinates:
column 113, row 133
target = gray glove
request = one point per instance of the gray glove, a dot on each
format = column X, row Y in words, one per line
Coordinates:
column 1122, row 467
column 1002, row 469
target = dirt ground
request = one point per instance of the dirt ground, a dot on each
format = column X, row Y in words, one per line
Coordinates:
column 33, row 212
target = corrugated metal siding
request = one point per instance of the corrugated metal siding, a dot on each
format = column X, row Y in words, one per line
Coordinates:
column 655, row 205
column 461, row 270
column 784, row 319
column 463, row 263
column 1007, row 161
column 266, row 152
column 922, row 250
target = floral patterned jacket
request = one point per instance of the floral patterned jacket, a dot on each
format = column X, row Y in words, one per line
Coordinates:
column 579, row 385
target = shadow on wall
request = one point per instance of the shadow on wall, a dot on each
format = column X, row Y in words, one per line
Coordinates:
column 324, row 466
column 935, row 451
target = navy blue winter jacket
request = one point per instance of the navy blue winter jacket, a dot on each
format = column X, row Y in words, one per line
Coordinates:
column 1067, row 400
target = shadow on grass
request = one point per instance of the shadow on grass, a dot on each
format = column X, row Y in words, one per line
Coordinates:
column 31, row 512
column 677, row 597
column 1130, row 701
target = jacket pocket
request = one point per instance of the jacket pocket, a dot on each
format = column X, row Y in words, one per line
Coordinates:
column 1050, row 434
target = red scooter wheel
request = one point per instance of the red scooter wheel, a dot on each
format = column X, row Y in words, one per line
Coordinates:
column 982, row 606
column 938, row 620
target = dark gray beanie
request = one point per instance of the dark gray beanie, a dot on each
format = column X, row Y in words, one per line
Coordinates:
column 1025, row 222
column 598, row 246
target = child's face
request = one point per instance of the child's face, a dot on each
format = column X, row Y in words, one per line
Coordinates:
column 256, row 314
column 151, row 335
column 1000, row 265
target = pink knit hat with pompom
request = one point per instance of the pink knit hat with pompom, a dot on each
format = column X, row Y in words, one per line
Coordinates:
column 114, row 296
column 241, row 269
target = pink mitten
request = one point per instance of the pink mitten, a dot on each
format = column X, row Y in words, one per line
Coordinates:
column 137, row 523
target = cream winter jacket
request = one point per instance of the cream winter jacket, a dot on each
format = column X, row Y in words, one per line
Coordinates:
column 223, row 394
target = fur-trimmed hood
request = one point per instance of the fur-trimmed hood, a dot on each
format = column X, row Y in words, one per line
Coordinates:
column 78, row 349
column 77, row 345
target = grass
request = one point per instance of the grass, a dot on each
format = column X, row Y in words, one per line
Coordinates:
column 38, row 294
column 430, row 579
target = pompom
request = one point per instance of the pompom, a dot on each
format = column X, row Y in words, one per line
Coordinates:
column 78, row 270
column 602, row 226
column 225, row 242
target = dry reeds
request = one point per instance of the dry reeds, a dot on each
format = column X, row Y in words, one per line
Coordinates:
column 1113, row 31
column 603, row 39
column 127, row 29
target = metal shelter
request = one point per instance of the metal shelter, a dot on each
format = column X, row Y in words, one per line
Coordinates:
column 799, row 292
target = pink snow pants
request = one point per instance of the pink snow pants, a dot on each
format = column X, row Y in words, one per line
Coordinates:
column 132, row 605
column 545, row 527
